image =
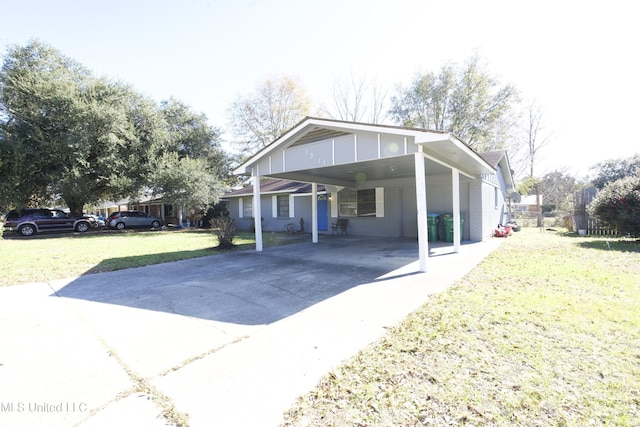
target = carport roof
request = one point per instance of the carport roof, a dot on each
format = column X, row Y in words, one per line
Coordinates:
column 268, row 186
column 443, row 149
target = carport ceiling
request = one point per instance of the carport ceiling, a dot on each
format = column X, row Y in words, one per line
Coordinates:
column 351, row 174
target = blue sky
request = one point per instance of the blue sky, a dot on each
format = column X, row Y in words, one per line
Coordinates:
column 577, row 58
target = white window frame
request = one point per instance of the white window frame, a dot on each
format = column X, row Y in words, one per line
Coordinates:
column 275, row 205
column 379, row 203
column 245, row 204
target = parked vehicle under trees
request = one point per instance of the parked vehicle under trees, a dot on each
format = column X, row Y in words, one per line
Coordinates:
column 66, row 134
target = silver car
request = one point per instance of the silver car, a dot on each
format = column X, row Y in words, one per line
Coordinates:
column 133, row 219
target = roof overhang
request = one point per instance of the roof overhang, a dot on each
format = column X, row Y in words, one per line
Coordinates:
column 443, row 152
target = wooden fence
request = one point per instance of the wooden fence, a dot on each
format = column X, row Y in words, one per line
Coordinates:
column 581, row 218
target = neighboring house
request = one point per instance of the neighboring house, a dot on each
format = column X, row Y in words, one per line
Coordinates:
column 107, row 208
column 282, row 203
column 383, row 179
column 528, row 204
column 152, row 205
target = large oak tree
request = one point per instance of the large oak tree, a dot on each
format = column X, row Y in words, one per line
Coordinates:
column 66, row 134
column 189, row 166
column 465, row 100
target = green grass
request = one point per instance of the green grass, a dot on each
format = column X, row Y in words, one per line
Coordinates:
column 47, row 257
column 545, row 331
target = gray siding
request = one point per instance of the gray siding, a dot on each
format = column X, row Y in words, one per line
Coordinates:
column 482, row 203
column 400, row 208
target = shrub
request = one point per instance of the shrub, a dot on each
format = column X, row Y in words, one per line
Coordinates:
column 225, row 230
column 617, row 205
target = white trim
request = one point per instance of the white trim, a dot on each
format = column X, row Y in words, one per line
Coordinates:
column 241, row 207
column 334, row 204
column 274, row 206
column 421, row 202
column 445, row 164
column 333, row 152
column 450, row 138
column 455, row 185
column 379, row 202
column 266, row 193
column 355, row 147
column 314, row 212
column 257, row 210
column 306, row 125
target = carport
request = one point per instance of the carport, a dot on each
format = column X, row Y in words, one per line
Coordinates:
column 230, row 339
column 342, row 155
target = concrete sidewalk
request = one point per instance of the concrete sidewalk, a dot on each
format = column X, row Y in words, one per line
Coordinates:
column 229, row 340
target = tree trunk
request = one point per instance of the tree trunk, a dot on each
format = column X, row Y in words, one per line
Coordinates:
column 540, row 221
column 75, row 206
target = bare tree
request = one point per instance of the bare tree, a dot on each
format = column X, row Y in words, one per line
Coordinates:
column 357, row 99
column 379, row 108
column 538, row 136
column 260, row 118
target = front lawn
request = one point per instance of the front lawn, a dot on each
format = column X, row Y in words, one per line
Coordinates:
column 46, row 257
column 545, row 331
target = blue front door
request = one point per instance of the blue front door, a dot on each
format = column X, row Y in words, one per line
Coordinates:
column 323, row 216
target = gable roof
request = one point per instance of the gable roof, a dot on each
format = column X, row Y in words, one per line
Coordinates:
column 271, row 186
column 318, row 133
column 500, row 161
column 492, row 157
column 333, row 152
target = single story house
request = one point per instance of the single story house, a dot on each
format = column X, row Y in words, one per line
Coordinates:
column 529, row 204
column 383, row 179
column 152, row 205
column 283, row 203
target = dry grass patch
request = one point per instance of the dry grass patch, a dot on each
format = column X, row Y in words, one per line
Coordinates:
column 47, row 257
column 545, row 331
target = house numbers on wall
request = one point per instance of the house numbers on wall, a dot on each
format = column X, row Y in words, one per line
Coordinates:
column 311, row 155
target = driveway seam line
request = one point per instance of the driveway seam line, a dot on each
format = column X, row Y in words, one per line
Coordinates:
column 140, row 384
column 200, row 356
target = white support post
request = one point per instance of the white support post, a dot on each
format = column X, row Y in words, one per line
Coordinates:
column 257, row 211
column 457, row 232
column 421, row 201
column 314, row 212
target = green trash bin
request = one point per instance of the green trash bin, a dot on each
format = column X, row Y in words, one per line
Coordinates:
column 448, row 227
column 432, row 226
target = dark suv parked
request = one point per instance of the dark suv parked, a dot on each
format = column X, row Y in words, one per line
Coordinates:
column 28, row 222
column 132, row 219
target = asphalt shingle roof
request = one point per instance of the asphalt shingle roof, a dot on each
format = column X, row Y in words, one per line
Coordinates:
column 275, row 186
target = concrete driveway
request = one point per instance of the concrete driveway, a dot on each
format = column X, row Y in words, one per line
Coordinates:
column 227, row 340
